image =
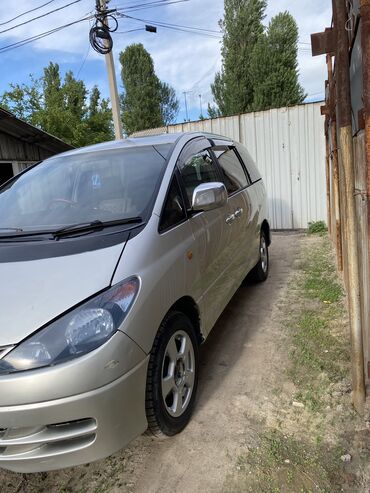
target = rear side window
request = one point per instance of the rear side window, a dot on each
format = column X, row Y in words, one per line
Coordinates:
column 233, row 172
column 197, row 169
column 174, row 208
column 249, row 163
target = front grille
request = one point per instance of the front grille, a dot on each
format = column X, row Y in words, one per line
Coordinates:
column 46, row 441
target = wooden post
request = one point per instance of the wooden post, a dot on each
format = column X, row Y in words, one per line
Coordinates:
column 346, row 154
column 334, row 160
column 365, row 45
column 328, row 176
column 337, row 202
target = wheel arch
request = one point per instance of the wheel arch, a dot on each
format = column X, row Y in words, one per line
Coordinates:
column 265, row 227
column 188, row 307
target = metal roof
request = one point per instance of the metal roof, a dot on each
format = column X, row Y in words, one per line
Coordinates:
column 19, row 129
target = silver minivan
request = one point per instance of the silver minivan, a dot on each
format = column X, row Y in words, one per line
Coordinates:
column 116, row 260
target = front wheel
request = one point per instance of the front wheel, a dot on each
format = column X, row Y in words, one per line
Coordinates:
column 172, row 378
column 261, row 270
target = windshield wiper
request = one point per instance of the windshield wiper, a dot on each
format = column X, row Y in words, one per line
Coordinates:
column 93, row 226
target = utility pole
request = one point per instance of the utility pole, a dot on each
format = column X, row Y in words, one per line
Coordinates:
column 112, row 82
column 201, row 106
column 186, row 105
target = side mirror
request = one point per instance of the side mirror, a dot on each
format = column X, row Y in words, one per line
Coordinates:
column 209, row 196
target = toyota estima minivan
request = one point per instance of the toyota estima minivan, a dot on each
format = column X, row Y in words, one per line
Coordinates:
column 115, row 262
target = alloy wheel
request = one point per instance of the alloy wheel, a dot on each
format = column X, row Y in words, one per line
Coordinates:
column 178, row 373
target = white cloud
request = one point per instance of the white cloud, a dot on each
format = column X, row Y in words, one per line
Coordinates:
column 186, row 61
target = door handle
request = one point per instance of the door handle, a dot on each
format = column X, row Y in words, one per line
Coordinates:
column 230, row 219
column 238, row 212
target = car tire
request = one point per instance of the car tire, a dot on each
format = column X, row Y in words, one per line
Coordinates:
column 172, row 378
column 260, row 271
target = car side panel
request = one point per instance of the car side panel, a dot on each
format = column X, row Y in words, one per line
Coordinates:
column 260, row 214
column 212, row 282
column 242, row 235
column 172, row 265
column 167, row 271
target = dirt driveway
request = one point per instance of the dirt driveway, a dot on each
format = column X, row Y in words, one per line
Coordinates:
column 235, row 363
column 242, row 367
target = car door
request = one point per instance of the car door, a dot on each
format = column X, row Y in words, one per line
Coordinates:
column 196, row 165
column 242, row 247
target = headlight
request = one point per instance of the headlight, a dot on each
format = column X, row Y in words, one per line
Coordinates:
column 76, row 333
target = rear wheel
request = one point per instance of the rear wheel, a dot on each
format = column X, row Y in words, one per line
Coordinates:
column 260, row 271
column 172, row 378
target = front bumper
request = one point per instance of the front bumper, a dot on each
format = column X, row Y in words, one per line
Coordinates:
column 74, row 430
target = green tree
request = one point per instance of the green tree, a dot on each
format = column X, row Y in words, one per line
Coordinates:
column 146, row 101
column 242, row 27
column 64, row 108
column 169, row 103
column 23, row 100
column 99, row 118
column 141, row 100
column 213, row 111
column 274, row 65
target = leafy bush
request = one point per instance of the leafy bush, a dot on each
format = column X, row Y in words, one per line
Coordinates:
column 317, row 227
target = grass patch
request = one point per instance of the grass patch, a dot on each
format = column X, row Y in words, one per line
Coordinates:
column 317, row 227
column 320, row 279
column 318, row 356
column 282, row 464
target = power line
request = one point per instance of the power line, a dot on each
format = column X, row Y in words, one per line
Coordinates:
column 150, row 29
column 178, row 27
column 84, row 61
column 208, row 35
column 154, row 3
column 36, row 37
column 162, row 3
column 25, row 13
column 131, row 30
column 178, row 30
column 85, row 58
column 186, row 27
column 135, row 5
column 40, row 16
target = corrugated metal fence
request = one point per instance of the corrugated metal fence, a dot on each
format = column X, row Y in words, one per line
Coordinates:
column 288, row 145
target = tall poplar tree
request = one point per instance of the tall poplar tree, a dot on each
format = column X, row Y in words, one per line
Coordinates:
column 242, row 27
column 274, row 65
column 146, row 101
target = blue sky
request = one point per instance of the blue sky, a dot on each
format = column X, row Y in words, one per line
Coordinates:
column 187, row 61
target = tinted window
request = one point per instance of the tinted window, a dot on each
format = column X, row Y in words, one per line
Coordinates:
column 83, row 187
column 174, row 208
column 197, row 169
column 232, row 169
column 249, row 163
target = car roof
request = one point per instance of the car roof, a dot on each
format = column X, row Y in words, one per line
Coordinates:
column 153, row 140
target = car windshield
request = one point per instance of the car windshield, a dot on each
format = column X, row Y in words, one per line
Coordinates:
column 80, row 188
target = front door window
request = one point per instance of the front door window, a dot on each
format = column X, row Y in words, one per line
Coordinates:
column 196, row 169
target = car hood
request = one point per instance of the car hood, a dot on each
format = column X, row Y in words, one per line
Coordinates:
column 32, row 293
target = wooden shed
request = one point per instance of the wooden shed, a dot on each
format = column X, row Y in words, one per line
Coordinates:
column 22, row 145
